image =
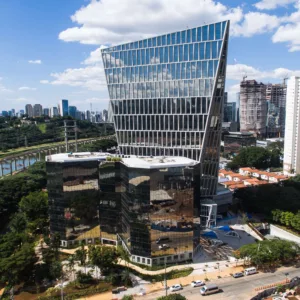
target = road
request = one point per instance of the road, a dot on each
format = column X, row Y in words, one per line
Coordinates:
column 235, row 288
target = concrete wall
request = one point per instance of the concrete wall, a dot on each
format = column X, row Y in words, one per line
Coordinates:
column 283, row 234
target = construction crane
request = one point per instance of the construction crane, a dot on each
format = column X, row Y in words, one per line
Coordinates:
column 284, row 80
column 244, row 77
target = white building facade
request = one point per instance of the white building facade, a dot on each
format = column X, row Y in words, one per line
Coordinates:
column 291, row 161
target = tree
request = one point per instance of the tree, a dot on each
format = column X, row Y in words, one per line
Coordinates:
column 256, row 157
column 103, row 257
column 71, row 264
column 18, row 223
column 81, row 255
column 295, row 222
column 56, row 270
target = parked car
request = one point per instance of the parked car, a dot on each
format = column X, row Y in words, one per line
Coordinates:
column 176, row 287
column 209, row 289
column 163, row 246
column 197, row 283
column 238, row 274
column 250, row 271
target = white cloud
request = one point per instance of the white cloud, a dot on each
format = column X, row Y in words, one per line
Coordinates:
column 37, row 61
column 272, row 4
column 94, row 57
column 289, row 33
column 26, row 88
column 44, row 81
column 99, row 21
column 23, row 99
column 91, row 77
column 256, row 23
column 236, row 72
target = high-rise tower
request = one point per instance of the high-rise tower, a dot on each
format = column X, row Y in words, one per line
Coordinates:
column 167, row 94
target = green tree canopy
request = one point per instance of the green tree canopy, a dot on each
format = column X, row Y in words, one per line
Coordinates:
column 172, row 297
column 256, row 157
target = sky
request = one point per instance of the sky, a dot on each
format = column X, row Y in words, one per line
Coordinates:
column 50, row 49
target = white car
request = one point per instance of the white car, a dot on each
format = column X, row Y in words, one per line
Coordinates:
column 197, row 283
column 163, row 246
column 176, row 287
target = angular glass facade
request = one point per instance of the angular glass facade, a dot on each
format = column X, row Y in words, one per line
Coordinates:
column 166, row 94
column 73, row 191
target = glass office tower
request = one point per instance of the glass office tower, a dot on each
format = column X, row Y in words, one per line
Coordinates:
column 166, row 94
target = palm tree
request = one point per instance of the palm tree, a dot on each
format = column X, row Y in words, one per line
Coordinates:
column 71, row 265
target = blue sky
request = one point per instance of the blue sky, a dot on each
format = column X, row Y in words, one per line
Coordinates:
column 50, row 49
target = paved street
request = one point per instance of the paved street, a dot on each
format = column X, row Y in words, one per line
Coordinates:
column 235, row 289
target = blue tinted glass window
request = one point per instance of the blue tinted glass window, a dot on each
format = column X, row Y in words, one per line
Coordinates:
column 212, row 32
column 156, row 55
column 198, row 69
column 152, row 56
column 164, row 40
column 178, row 39
column 119, row 47
column 201, row 51
column 147, row 56
column 186, row 52
column 143, row 57
column 127, row 46
column 193, row 69
column 182, row 70
column 223, row 28
column 204, row 69
column 134, row 57
column 126, row 58
column 169, row 39
column 154, row 73
column 112, row 60
column 154, row 42
column 171, row 58
column 194, row 35
column 180, row 52
column 123, row 47
column 145, row 43
column 191, row 50
column 204, row 33
column 136, row 45
column 218, row 31
column 211, row 68
column 188, row 36
column 188, row 70
column 130, row 57
column 133, row 74
column 199, row 34
column 219, row 47
column 161, row 54
column 214, row 46
column 141, row 74
column 216, row 66
column 173, row 70
column 196, row 51
column 207, row 51
column 176, row 55
column 121, row 58
column 131, row 46
column 159, row 41
column 178, row 71
column 183, row 36
column 117, row 56
column 140, row 44
column 149, row 42
column 173, row 38
column 128, row 74
column 166, row 54
column 159, row 73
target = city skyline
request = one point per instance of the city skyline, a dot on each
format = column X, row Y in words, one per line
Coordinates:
column 65, row 61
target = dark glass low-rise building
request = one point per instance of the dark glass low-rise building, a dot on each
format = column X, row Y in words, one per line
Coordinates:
column 235, row 141
column 73, row 191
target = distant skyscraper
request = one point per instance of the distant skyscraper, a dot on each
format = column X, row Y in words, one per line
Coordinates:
column 4, row 113
column 46, row 112
column 13, row 112
column 21, row 112
column 276, row 95
column 253, row 107
column 87, row 115
column 78, row 115
column 105, row 115
column 53, row 111
column 291, row 160
column 167, row 94
column 29, row 110
column 230, row 112
column 64, row 107
column 37, row 110
column 72, row 111
column 238, row 107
